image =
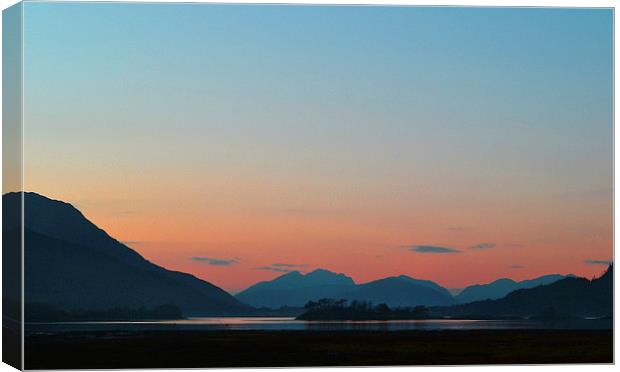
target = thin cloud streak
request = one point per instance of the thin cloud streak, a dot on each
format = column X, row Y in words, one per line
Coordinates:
column 432, row 249
column 282, row 267
column 216, row 261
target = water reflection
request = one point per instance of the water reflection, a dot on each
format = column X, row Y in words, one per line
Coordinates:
column 281, row 323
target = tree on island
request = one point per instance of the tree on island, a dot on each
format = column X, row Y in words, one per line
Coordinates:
column 332, row 309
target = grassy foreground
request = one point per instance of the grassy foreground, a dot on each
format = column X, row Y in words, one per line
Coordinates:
column 185, row 349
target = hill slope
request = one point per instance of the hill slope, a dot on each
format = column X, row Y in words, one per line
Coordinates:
column 71, row 264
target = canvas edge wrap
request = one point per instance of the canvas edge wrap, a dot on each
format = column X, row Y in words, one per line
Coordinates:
column 12, row 181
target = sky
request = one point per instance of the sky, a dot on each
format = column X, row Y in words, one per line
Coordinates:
column 237, row 142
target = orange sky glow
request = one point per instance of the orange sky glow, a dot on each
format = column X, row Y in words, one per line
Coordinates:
column 329, row 137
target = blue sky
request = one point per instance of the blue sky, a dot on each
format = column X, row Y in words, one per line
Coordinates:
column 398, row 114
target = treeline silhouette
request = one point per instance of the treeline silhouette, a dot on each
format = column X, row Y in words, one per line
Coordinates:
column 332, row 309
column 36, row 312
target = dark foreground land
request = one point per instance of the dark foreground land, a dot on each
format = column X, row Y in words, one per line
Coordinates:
column 315, row 348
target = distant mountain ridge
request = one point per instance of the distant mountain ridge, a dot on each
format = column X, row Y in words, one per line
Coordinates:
column 501, row 287
column 296, row 289
column 71, row 264
column 568, row 297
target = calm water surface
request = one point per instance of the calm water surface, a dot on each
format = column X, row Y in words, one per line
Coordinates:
column 281, row 323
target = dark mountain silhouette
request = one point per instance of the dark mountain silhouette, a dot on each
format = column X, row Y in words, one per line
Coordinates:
column 72, row 265
column 426, row 283
column 502, row 287
column 571, row 297
column 401, row 291
column 296, row 289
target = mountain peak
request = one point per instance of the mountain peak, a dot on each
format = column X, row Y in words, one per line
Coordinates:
column 59, row 220
column 291, row 275
column 296, row 289
column 322, row 272
column 37, row 205
column 33, row 196
column 418, row 282
column 326, row 277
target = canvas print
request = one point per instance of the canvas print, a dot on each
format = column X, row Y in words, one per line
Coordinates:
column 234, row 185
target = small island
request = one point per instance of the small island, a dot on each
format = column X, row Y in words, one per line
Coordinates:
column 332, row 309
